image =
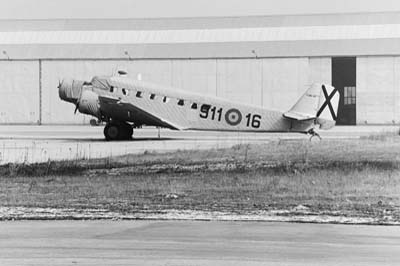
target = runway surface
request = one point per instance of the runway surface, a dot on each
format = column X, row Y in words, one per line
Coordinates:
column 31, row 144
column 195, row 243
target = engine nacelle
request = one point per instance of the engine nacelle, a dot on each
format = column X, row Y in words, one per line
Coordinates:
column 89, row 103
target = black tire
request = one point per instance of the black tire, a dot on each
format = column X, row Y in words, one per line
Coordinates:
column 126, row 131
column 129, row 131
column 112, row 132
column 118, row 131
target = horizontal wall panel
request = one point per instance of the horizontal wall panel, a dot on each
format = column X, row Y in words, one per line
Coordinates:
column 200, row 22
column 221, row 35
column 279, row 49
column 19, row 90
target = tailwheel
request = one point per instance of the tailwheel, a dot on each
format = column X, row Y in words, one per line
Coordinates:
column 314, row 134
column 118, row 131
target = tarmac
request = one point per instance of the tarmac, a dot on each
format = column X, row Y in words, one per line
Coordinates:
column 195, row 243
column 34, row 144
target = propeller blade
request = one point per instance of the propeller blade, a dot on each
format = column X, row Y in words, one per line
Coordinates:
column 60, row 82
column 76, row 108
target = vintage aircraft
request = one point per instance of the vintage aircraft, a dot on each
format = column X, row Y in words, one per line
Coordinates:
column 125, row 103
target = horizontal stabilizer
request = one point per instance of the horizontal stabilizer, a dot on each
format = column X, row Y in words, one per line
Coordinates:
column 298, row 116
column 319, row 102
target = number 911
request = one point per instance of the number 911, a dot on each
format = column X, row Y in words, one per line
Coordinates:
column 206, row 111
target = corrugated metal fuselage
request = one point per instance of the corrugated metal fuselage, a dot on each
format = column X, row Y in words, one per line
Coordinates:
column 148, row 104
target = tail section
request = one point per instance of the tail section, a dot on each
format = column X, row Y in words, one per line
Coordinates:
column 319, row 103
column 327, row 107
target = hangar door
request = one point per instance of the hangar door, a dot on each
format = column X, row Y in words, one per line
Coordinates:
column 344, row 79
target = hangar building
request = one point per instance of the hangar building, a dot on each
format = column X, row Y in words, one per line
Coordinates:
column 267, row 61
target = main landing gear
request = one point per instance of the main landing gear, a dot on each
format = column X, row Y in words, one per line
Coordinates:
column 118, row 131
column 313, row 134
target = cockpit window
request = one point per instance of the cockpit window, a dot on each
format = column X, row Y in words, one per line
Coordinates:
column 111, row 89
column 125, row 91
column 139, row 94
column 100, row 83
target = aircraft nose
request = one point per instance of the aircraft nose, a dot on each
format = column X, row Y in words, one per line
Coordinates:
column 69, row 90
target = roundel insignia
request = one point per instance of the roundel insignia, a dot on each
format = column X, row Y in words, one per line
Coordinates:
column 233, row 117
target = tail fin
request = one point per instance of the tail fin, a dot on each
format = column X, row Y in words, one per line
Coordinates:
column 328, row 107
column 320, row 102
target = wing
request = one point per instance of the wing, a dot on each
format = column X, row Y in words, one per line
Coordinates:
column 115, row 107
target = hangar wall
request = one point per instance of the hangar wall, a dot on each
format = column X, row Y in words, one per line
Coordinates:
column 19, row 101
column 378, row 84
column 267, row 61
column 274, row 83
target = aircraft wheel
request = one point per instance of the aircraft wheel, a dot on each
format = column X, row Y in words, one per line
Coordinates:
column 126, row 131
column 112, row 132
column 118, row 131
column 130, row 132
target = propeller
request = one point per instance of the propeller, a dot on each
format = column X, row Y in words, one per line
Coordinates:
column 71, row 91
column 60, row 82
column 78, row 101
column 76, row 107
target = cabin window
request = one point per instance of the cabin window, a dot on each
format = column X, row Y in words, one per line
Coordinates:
column 181, row 102
column 125, row 91
column 152, row 96
column 111, row 89
column 139, row 94
column 194, row 106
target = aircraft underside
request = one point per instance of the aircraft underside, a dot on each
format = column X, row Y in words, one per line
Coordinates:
column 123, row 130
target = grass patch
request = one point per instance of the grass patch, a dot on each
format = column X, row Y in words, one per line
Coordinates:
column 357, row 176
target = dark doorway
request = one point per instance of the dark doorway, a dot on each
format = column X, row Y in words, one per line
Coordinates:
column 344, row 79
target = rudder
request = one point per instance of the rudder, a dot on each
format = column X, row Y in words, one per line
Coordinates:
column 319, row 102
column 328, row 107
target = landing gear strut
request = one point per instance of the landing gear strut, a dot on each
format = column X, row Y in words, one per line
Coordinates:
column 313, row 134
column 118, row 131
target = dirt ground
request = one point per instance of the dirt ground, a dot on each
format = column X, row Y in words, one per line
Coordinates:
column 353, row 181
